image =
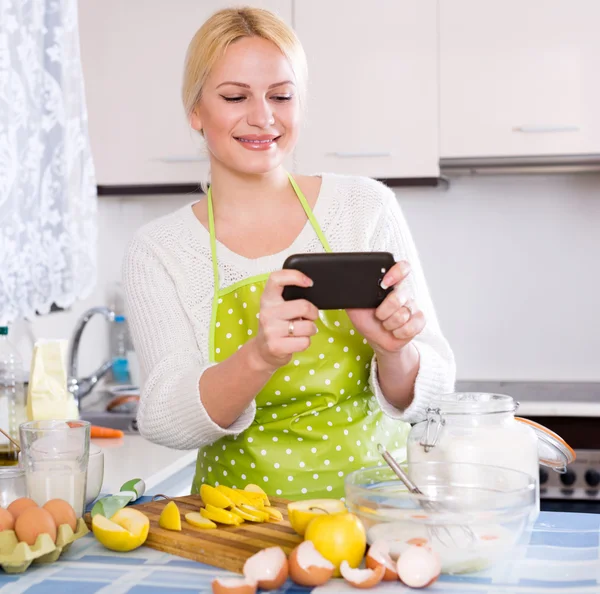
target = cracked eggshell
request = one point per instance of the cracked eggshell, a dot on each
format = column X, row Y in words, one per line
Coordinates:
column 379, row 555
column 418, row 566
column 362, row 578
column 233, row 586
column 308, row 567
column 267, row 568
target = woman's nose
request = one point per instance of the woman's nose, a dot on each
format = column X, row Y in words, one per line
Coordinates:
column 261, row 115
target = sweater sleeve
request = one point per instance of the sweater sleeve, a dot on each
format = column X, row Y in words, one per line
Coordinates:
column 437, row 369
column 171, row 363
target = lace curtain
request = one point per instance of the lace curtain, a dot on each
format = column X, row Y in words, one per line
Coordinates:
column 47, row 180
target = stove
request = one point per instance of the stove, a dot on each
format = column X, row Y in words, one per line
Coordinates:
column 572, row 410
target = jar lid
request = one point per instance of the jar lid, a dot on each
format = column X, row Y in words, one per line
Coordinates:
column 553, row 450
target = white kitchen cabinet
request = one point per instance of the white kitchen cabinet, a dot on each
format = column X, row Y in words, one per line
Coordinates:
column 372, row 102
column 132, row 54
column 519, row 78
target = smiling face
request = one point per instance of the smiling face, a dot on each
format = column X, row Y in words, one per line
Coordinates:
column 249, row 111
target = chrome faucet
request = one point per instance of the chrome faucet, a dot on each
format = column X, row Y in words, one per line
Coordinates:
column 81, row 387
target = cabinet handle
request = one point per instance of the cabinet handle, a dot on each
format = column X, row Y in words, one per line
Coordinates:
column 183, row 159
column 368, row 154
column 544, row 129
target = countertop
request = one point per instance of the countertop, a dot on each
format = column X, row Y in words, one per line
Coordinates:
column 541, row 398
column 132, row 456
column 562, row 557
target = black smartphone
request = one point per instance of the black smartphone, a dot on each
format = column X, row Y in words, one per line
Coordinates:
column 342, row 280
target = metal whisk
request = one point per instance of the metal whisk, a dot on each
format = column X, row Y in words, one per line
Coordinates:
column 441, row 533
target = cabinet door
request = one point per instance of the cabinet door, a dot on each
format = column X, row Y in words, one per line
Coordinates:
column 519, row 78
column 132, row 54
column 372, row 100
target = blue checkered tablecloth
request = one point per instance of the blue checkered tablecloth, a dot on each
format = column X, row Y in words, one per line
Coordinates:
column 563, row 557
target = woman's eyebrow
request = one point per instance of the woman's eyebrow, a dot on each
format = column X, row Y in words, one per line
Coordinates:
column 245, row 86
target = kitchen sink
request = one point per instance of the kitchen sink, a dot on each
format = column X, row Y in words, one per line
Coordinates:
column 93, row 409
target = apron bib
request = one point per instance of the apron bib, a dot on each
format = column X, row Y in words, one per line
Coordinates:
column 316, row 419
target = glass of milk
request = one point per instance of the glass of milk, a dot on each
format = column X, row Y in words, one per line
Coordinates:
column 55, row 456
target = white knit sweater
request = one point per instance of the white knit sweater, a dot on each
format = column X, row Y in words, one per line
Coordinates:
column 169, row 286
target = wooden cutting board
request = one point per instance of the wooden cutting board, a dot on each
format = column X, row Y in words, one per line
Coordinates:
column 226, row 547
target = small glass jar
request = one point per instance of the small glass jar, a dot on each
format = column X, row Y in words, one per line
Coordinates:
column 12, row 484
column 482, row 428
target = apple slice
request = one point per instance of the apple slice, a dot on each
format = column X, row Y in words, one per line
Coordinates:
column 300, row 513
column 251, row 488
column 170, row 518
column 199, row 521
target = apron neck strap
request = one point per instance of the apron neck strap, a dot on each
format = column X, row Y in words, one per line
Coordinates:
column 213, row 240
column 309, row 214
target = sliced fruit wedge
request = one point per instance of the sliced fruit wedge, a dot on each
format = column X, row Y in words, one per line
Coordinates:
column 211, row 496
column 256, row 489
column 235, row 495
column 255, row 511
column 246, row 515
column 199, row 521
column 170, row 518
column 274, row 514
column 220, row 515
column 125, row 531
column 255, row 499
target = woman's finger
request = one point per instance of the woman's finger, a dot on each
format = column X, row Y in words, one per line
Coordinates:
column 291, row 310
column 281, row 278
column 395, row 274
column 413, row 327
column 295, row 328
column 391, row 304
column 397, row 319
column 401, row 316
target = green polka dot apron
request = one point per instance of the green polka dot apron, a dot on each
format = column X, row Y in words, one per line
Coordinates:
column 316, row 419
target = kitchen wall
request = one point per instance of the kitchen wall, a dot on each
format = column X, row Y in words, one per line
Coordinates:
column 512, row 263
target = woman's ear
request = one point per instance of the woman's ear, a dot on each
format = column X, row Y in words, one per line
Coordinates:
column 195, row 121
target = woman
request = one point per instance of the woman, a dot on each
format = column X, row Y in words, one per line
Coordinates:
column 272, row 392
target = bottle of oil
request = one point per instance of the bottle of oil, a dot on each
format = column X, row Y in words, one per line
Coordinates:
column 12, row 398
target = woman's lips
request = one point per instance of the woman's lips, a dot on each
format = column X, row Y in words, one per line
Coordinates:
column 257, row 142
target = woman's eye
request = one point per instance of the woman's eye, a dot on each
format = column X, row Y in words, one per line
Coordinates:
column 282, row 97
column 233, row 99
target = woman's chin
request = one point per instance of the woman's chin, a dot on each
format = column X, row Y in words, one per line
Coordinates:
column 258, row 164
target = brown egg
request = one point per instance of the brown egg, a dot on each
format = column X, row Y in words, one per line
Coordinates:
column 7, row 521
column 33, row 522
column 62, row 513
column 18, row 506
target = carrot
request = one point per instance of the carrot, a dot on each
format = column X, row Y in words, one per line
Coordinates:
column 97, row 431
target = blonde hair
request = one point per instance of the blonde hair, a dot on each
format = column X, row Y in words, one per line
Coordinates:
column 227, row 26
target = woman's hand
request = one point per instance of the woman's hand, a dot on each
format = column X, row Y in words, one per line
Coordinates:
column 285, row 327
column 391, row 326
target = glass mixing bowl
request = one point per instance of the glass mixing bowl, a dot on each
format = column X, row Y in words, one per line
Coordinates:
column 473, row 515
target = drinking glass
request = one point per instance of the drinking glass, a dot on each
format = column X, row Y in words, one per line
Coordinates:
column 55, row 455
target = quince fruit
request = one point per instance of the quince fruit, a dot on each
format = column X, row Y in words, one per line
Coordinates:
column 300, row 513
column 338, row 537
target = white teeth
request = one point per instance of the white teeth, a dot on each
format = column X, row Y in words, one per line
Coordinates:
column 256, row 141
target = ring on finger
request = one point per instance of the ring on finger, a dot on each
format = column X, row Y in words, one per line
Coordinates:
column 291, row 328
column 410, row 308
